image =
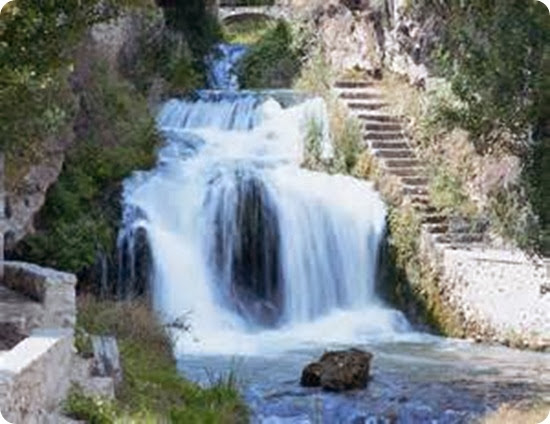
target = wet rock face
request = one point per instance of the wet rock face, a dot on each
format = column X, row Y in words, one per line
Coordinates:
column 250, row 233
column 338, row 371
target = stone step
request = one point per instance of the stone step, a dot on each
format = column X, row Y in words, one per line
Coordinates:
column 353, row 84
column 427, row 209
column 454, row 238
column 394, row 153
column 415, row 191
column 378, row 117
column 434, row 219
column 17, row 311
column 371, row 135
column 374, row 105
column 405, row 172
column 360, row 95
column 383, row 126
column 401, row 163
column 420, row 199
column 462, row 246
column 415, row 181
column 438, row 228
column 387, row 144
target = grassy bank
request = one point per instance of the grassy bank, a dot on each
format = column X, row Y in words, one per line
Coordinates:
column 152, row 390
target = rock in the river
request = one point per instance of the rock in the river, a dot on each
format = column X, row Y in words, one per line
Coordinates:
column 338, row 371
column 311, row 375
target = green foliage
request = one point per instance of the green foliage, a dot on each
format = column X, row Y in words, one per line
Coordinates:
column 92, row 410
column 447, row 193
column 157, row 389
column 275, row 49
column 162, row 54
column 347, row 145
column 404, row 224
column 36, row 102
column 193, row 19
column 513, row 218
column 247, row 31
column 316, row 75
column 491, row 51
column 313, row 145
column 81, row 211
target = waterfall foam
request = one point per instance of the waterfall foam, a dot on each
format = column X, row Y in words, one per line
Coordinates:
column 244, row 241
column 252, row 249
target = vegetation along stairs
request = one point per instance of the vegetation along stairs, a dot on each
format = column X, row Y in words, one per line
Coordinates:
column 385, row 138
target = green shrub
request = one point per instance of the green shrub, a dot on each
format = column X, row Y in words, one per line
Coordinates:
column 404, row 225
column 248, row 31
column 447, row 193
column 489, row 48
column 92, row 410
column 272, row 62
column 313, row 146
column 513, row 218
column 164, row 54
column 199, row 27
column 82, row 209
column 347, row 145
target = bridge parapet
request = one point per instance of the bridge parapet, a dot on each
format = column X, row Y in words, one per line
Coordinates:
column 236, row 12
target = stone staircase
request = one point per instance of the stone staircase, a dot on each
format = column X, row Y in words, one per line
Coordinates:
column 385, row 137
column 18, row 316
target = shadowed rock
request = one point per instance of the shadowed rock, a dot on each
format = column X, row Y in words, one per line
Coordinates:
column 338, row 371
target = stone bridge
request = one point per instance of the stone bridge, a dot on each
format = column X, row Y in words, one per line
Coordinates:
column 231, row 11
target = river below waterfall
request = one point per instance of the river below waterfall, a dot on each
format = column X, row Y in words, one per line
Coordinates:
column 271, row 264
column 427, row 381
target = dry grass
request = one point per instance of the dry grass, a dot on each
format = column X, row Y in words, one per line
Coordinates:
column 507, row 414
column 317, row 77
column 131, row 320
column 453, row 161
column 152, row 385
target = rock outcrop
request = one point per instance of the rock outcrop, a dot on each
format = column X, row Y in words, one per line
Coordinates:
column 338, row 371
column 115, row 43
column 367, row 36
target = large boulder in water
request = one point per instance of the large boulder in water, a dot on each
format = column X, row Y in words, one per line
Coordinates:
column 338, row 371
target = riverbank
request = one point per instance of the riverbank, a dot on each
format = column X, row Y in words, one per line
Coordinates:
column 152, row 390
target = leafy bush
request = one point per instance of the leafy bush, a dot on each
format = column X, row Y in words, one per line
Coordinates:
column 164, row 54
column 92, row 410
column 193, row 19
column 272, row 62
column 347, row 141
column 313, row 146
column 489, row 48
column 82, row 209
column 447, row 193
column 513, row 218
column 247, row 31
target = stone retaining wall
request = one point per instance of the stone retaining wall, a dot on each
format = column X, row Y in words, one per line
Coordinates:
column 34, row 377
column 499, row 294
column 54, row 290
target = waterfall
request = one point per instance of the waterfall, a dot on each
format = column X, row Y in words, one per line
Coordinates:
column 222, row 63
column 242, row 240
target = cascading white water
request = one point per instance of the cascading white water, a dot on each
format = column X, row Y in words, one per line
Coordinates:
column 247, row 244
